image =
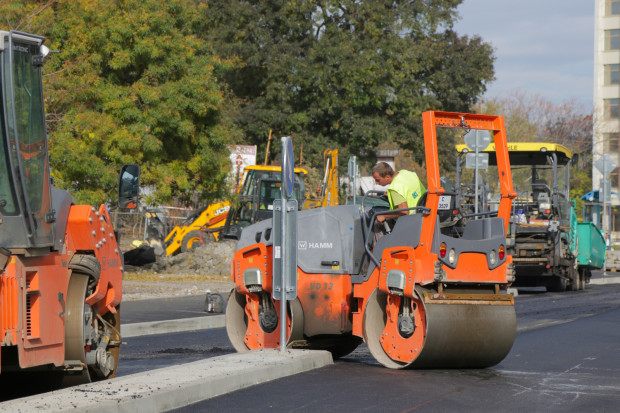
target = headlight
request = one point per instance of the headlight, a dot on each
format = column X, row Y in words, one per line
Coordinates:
column 452, row 256
column 493, row 257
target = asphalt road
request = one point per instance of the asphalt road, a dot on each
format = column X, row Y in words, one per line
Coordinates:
column 162, row 309
column 566, row 358
column 139, row 354
column 572, row 367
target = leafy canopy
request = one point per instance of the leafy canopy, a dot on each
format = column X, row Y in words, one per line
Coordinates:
column 169, row 83
column 133, row 84
column 350, row 74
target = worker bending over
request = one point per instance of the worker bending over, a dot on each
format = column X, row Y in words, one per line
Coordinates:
column 404, row 190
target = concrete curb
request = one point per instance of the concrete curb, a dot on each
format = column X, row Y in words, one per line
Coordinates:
column 605, row 280
column 170, row 388
column 172, row 326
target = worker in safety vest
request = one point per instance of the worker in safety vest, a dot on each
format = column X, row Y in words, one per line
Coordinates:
column 404, row 191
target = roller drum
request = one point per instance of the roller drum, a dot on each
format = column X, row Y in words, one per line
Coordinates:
column 236, row 321
column 466, row 335
column 239, row 326
column 448, row 333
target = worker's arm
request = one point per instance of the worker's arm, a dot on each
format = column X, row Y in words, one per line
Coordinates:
column 383, row 217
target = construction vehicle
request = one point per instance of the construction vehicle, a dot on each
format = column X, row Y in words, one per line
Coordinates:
column 543, row 233
column 592, row 248
column 262, row 184
column 425, row 296
column 217, row 220
column 60, row 264
column 327, row 192
column 205, row 222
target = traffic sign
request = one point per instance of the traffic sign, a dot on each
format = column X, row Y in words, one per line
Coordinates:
column 477, row 140
column 606, row 165
column 288, row 166
column 477, row 160
column 352, row 170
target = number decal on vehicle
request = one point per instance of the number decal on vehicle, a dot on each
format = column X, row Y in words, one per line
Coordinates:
column 444, row 202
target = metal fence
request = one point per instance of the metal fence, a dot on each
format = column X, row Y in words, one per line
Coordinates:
column 133, row 225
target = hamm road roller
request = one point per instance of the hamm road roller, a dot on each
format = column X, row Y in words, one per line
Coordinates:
column 60, row 264
column 431, row 293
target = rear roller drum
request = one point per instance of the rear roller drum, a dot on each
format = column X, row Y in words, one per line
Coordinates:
column 90, row 340
column 394, row 329
column 410, row 333
column 253, row 321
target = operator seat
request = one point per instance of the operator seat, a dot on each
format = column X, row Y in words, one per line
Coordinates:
column 540, row 190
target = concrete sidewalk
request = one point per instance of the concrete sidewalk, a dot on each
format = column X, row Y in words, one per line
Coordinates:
column 608, row 278
column 174, row 387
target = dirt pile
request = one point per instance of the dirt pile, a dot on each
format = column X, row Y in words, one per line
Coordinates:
column 213, row 258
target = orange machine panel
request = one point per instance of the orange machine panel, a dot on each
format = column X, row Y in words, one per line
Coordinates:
column 90, row 230
column 42, row 285
column 326, row 300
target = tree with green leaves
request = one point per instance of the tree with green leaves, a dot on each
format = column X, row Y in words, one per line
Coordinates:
column 349, row 73
column 132, row 83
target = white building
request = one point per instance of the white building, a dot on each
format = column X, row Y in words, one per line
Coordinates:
column 607, row 97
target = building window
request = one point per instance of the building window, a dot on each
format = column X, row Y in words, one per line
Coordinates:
column 613, row 178
column 612, row 74
column 612, row 39
column 615, row 217
column 612, row 7
column 611, row 108
column 611, row 142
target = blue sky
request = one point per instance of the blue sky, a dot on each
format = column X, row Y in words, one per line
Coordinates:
column 543, row 47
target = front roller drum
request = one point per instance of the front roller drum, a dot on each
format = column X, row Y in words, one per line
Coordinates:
column 422, row 332
column 253, row 321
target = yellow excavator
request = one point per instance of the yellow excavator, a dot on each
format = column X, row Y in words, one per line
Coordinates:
column 257, row 195
column 205, row 222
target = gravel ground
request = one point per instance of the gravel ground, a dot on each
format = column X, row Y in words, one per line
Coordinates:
column 207, row 268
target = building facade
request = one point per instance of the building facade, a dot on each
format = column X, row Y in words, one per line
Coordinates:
column 606, row 131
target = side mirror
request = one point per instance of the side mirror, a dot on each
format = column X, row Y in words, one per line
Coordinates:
column 575, row 160
column 128, row 186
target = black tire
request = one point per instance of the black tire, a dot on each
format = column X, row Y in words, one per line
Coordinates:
column 191, row 241
column 556, row 284
column 574, row 276
column 584, row 277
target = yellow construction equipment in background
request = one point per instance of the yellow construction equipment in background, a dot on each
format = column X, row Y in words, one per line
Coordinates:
column 205, row 222
column 327, row 192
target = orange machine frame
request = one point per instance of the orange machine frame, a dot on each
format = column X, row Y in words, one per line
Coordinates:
column 33, row 289
column 432, row 120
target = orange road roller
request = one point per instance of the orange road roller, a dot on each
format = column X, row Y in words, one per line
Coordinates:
column 431, row 293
